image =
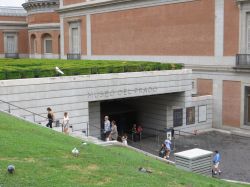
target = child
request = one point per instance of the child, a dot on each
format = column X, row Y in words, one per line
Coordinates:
column 216, row 162
column 124, row 140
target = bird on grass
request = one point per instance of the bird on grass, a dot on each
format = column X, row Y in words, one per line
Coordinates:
column 59, row 71
column 75, row 152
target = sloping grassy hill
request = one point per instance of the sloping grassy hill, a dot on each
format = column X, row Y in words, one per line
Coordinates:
column 43, row 158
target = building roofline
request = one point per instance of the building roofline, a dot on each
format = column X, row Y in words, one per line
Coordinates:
column 90, row 4
column 95, row 4
column 12, row 11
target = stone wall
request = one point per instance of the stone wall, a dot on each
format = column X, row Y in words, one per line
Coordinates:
column 80, row 95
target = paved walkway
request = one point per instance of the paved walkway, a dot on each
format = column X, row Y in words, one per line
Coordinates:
column 234, row 149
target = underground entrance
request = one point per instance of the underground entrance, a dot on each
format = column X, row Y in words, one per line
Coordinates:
column 150, row 112
column 123, row 112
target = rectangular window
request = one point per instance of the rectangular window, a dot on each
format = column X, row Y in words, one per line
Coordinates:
column 75, row 41
column 177, row 117
column 190, row 115
column 10, row 44
column 48, row 46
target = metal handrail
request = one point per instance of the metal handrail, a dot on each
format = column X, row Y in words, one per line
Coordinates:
column 36, row 114
column 21, row 109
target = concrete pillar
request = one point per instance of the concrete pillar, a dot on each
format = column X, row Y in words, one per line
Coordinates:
column 217, row 103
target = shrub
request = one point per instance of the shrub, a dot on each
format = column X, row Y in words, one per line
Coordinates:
column 34, row 68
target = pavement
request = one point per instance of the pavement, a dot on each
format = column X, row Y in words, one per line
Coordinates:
column 234, row 150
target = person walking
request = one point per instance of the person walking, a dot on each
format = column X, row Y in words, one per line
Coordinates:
column 50, row 117
column 65, row 123
column 216, row 163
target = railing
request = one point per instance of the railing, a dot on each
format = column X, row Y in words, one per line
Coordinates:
column 242, row 60
column 11, row 55
column 74, row 56
column 29, row 115
column 26, row 114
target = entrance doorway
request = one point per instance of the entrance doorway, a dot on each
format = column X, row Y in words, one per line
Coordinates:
column 124, row 115
column 247, row 106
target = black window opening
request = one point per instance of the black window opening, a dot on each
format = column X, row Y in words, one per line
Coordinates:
column 177, row 117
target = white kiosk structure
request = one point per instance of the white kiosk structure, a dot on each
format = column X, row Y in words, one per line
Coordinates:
column 195, row 160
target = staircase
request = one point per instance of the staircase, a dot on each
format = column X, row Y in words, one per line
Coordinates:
column 36, row 119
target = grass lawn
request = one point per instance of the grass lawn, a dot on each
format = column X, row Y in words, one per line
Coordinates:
column 32, row 68
column 43, row 157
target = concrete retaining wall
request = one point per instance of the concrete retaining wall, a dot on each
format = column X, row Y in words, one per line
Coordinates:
column 78, row 94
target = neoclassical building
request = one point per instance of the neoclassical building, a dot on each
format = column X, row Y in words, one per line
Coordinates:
column 212, row 37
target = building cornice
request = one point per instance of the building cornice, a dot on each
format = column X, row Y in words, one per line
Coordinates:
column 48, row 26
column 242, row 2
column 33, row 6
column 106, row 3
column 13, row 23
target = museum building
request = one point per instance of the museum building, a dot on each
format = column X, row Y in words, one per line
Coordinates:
column 211, row 37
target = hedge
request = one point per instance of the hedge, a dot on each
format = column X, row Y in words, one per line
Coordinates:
column 34, row 68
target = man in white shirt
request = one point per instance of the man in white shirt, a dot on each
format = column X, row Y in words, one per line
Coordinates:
column 107, row 127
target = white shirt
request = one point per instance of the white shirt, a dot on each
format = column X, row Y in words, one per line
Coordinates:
column 107, row 126
column 65, row 120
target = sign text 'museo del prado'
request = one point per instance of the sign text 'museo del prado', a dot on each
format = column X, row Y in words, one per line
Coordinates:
column 113, row 93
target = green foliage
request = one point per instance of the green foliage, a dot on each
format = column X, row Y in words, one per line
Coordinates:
column 33, row 68
column 42, row 157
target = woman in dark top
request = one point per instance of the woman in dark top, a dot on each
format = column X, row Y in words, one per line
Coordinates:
column 50, row 117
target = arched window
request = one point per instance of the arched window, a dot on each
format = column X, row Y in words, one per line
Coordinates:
column 33, row 44
column 47, row 43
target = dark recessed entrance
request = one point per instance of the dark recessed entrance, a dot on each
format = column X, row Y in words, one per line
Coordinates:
column 122, row 112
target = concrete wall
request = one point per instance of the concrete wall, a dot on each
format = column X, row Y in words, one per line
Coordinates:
column 72, row 94
column 228, row 96
column 94, row 119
